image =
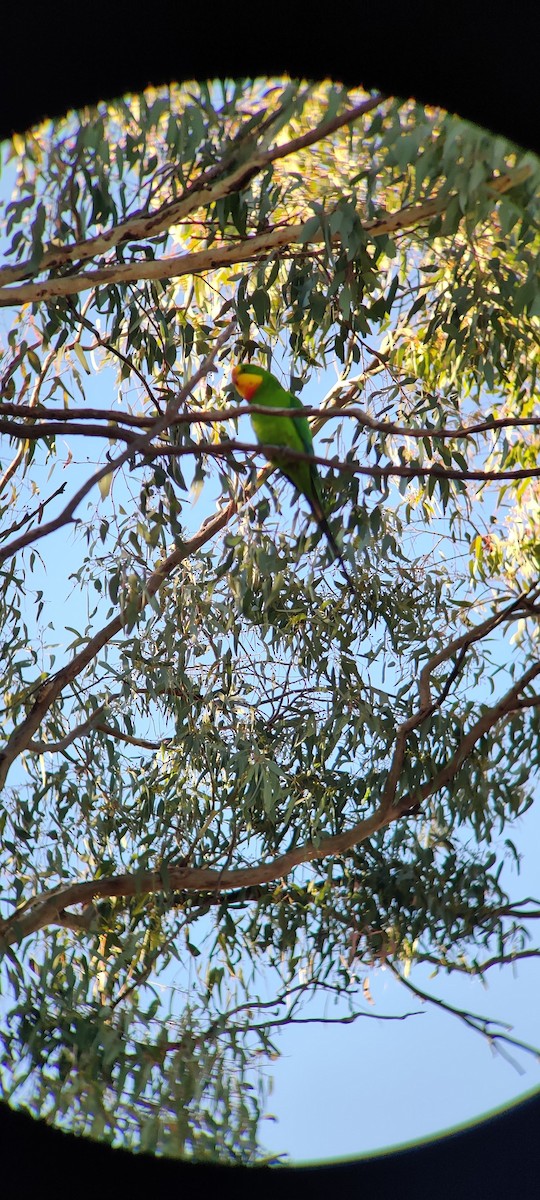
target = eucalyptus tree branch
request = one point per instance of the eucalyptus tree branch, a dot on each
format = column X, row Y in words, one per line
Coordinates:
column 139, row 445
column 78, row 922
column 38, row 512
column 484, row 1025
column 248, row 250
column 51, row 688
column 509, row 703
column 440, row 431
column 224, row 1025
column 94, row 722
column 514, row 909
column 77, row 732
column 109, row 346
column 42, row 375
column 350, row 1019
column 65, row 415
column 15, row 363
column 394, row 470
column 468, row 639
column 44, row 429
column 43, row 910
column 119, row 736
column 326, row 412
column 54, row 685
column 480, row 968
column 289, row 996
column 19, row 454
column 207, row 189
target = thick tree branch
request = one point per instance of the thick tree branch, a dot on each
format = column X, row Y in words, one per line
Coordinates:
column 206, row 190
column 248, row 250
column 44, row 429
column 114, row 416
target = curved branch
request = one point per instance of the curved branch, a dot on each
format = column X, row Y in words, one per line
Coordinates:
column 38, row 512
column 509, row 703
column 203, row 191
column 51, row 688
column 199, row 261
column 78, row 731
column 394, row 470
column 440, row 432
column 119, row 736
column 484, row 1025
column 513, row 956
column 47, row 692
column 467, row 639
column 43, row 429
column 142, row 445
column 44, row 910
column 320, row 414
column 42, row 413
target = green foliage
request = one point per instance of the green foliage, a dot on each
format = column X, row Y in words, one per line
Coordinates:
column 267, row 788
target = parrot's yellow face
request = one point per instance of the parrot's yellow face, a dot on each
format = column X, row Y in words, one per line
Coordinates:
column 247, row 380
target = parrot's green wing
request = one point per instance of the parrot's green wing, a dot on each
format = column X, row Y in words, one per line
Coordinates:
column 301, row 423
column 274, row 430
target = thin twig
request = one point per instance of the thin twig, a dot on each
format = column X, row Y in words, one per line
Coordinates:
column 473, row 1021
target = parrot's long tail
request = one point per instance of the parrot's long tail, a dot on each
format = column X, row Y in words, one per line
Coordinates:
column 336, row 553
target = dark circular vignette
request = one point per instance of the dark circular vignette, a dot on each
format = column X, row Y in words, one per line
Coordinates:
column 458, row 58
column 496, row 1158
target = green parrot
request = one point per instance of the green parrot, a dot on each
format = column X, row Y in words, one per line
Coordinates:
column 260, row 387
